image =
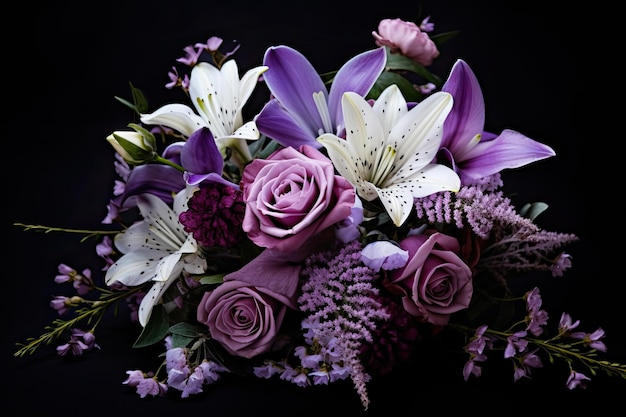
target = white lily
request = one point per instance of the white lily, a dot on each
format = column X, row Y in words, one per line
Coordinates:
column 218, row 96
column 388, row 149
column 155, row 249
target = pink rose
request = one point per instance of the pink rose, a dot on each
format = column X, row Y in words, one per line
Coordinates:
column 408, row 39
column 292, row 196
column 435, row 282
column 245, row 319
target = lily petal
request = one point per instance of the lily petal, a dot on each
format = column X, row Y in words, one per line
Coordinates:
column 176, row 116
column 358, row 75
column 467, row 117
column 509, row 150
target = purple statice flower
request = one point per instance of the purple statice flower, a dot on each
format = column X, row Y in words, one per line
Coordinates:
column 384, row 254
column 214, row 216
column 301, row 106
column 561, row 264
column 145, row 384
column 82, row 282
column 576, row 379
column 591, row 340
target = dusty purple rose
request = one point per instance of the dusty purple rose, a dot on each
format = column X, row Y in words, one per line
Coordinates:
column 406, row 38
column 435, row 282
column 245, row 319
column 292, row 196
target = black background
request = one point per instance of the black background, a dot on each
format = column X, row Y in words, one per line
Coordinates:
column 64, row 65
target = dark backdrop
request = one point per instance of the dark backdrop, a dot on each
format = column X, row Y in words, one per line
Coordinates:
column 65, row 65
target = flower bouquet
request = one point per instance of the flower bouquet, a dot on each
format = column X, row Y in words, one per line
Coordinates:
column 356, row 215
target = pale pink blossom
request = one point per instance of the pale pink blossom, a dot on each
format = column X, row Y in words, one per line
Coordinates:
column 407, row 39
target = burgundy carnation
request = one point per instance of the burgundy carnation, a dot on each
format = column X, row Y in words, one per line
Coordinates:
column 215, row 215
column 394, row 340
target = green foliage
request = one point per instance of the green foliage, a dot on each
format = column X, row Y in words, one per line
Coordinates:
column 532, row 210
column 156, row 329
column 139, row 104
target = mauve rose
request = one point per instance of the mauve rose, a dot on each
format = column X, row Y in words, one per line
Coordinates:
column 292, row 196
column 435, row 282
column 243, row 318
column 406, row 38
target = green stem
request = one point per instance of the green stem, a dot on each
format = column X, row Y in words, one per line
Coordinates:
column 170, row 163
column 97, row 310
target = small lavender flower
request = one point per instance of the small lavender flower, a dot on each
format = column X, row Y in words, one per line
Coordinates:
column 63, row 304
column 562, row 263
column 145, row 384
column 591, row 340
column 536, row 317
column 515, row 344
column 191, row 56
column 565, row 324
column 80, row 341
column 82, row 282
column 525, row 366
column 576, row 379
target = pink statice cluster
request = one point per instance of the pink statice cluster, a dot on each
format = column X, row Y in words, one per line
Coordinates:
column 325, row 235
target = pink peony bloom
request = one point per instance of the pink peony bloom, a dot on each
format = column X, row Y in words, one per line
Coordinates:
column 435, row 282
column 292, row 196
column 406, row 38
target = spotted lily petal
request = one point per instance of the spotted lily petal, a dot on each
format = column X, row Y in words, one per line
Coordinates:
column 176, row 116
column 387, row 153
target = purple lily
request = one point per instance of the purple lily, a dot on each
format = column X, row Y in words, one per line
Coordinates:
column 202, row 159
column 302, row 107
column 160, row 180
column 198, row 155
column 472, row 152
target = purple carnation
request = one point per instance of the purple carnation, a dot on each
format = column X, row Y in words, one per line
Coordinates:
column 215, row 215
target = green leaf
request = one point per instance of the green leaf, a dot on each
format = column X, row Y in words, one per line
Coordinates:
column 186, row 329
column 399, row 62
column 183, row 334
column 386, row 79
column 141, row 104
column 533, row 210
column 212, row 279
column 441, row 38
column 156, row 329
